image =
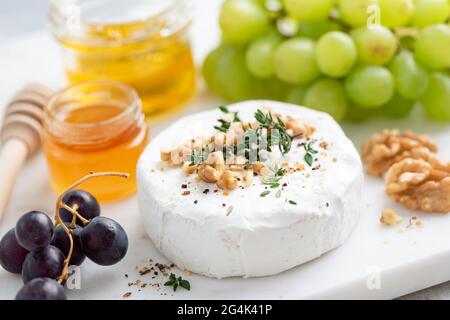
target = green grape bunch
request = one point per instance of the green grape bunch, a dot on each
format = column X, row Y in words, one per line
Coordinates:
column 354, row 59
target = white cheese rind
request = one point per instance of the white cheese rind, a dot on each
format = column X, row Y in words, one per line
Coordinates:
column 261, row 236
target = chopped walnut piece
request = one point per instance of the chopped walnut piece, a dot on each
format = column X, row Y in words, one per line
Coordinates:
column 228, row 181
column 189, row 169
column 258, row 166
column 165, row 155
column 420, row 185
column 178, row 156
column 215, row 158
column 220, row 139
column 298, row 128
column 390, row 146
column 247, row 178
column 261, row 169
column 390, row 218
column 208, row 173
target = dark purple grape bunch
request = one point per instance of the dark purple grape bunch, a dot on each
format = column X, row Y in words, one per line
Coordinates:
column 42, row 253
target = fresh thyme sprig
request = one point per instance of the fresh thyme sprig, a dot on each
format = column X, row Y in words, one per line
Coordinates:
column 175, row 282
column 281, row 138
column 272, row 182
column 310, row 152
column 270, row 132
column 225, row 125
column 279, row 172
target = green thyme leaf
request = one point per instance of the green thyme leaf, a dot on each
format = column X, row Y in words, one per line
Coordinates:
column 175, row 282
column 309, row 159
column 224, row 109
column 265, row 193
column 185, row 284
column 292, row 202
column 229, row 210
column 310, row 152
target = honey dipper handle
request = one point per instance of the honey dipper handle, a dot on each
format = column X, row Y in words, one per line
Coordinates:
column 12, row 157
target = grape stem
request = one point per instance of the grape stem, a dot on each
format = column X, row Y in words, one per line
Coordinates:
column 60, row 204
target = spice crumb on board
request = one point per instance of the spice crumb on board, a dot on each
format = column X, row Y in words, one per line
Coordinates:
column 415, row 222
column 149, row 269
column 390, row 217
column 134, row 283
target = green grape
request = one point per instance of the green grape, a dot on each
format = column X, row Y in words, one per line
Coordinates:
column 316, row 29
column 436, row 99
column 395, row 13
column 336, row 54
column 411, row 80
column 370, row 86
column 225, row 73
column 398, row 107
column 259, row 56
column 433, row 46
column 296, row 95
column 242, row 21
column 328, row 96
column 430, row 12
column 357, row 114
column 354, row 12
column 309, row 10
column 295, row 62
column 271, row 89
column 376, row 45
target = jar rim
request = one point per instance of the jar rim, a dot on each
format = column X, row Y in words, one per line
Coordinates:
column 133, row 107
column 62, row 22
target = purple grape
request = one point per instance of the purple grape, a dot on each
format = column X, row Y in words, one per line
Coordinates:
column 85, row 204
column 42, row 289
column 45, row 262
column 104, row 241
column 12, row 254
column 34, row 230
column 62, row 242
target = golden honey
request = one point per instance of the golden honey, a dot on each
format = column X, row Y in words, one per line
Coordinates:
column 95, row 126
column 150, row 51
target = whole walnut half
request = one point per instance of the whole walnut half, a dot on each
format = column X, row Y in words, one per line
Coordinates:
column 420, row 185
column 391, row 146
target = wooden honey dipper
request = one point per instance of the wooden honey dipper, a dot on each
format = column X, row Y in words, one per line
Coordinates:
column 20, row 135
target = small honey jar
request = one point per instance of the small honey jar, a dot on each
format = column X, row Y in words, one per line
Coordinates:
column 95, row 126
column 143, row 43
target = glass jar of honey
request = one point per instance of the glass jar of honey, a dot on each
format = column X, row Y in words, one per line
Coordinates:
column 94, row 126
column 143, row 43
